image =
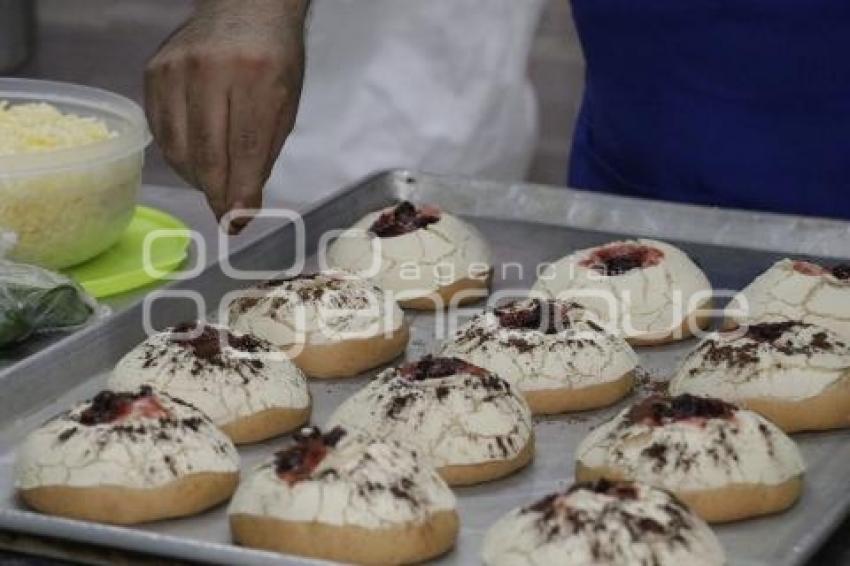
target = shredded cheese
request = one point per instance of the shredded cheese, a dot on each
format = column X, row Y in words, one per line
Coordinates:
column 39, row 127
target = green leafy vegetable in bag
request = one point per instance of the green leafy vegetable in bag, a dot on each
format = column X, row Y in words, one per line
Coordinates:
column 33, row 299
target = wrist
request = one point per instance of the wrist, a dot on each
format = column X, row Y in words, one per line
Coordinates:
column 287, row 13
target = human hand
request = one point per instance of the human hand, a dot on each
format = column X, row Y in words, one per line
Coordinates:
column 222, row 93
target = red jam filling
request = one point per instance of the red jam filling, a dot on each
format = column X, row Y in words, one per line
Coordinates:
column 298, row 462
column 617, row 259
column 809, row 268
column 109, row 407
column 840, row 271
column 545, row 315
column 658, row 411
column 431, row 367
column 403, row 219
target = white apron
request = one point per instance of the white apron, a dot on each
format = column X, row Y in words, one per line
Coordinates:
column 435, row 85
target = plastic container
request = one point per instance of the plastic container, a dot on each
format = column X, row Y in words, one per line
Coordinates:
column 66, row 206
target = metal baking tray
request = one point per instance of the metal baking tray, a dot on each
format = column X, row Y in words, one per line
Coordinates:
column 525, row 224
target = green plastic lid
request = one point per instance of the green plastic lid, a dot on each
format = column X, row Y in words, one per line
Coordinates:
column 121, row 268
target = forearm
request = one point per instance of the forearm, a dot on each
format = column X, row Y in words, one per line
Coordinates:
column 239, row 15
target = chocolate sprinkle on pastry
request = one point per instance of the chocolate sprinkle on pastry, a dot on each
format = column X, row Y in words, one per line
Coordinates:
column 297, row 462
column 310, row 433
column 404, row 393
column 841, row 271
column 333, row 436
column 617, row 259
column 430, row 367
column 559, row 518
column 546, row 315
column 543, row 505
column 403, row 219
column 333, row 289
column 210, row 346
column 243, row 304
column 744, row 351
column 657, row 452
column 399, row 402
column 207, row 345
column 109, row 406
column 67, row 433
column 313, row 292
column 770, row 331
column 277, row 282
column 647, row 384
column 732, row 355
column 658, row 411
column 618, row 489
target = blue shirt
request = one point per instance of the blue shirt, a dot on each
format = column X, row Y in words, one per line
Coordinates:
column 740, row 103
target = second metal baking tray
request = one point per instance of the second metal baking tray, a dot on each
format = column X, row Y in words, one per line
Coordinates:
column 524, row 224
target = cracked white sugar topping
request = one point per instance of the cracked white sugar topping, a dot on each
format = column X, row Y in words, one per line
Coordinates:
column 692, row 443
column 321, row 308
column 141, row 439
column 454, row 412
column 796, row 290
column 600, row 524
column 340, row 478
column 788, row 361
column 540, row 344
column 644, row 287
column 226, row 376
column 411, row 251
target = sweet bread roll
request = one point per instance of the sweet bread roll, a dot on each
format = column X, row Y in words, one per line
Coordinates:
column 471, row 423
column 724, row 462
column 347, row 498
column 603, row 523
column 244, row 384
column 553, row 352
column 127, row 457
column 426, row 258
column 332, row 324
column 652, row 292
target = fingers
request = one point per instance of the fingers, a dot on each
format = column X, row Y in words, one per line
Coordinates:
column 220, row 125
column 165, row 103
column 207, row 121
column 254, row 115
column 285, row 125
column 187, row 106
column 262, row 113
column 221, row 98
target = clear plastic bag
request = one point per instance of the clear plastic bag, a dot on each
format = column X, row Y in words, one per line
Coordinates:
column 35, row 300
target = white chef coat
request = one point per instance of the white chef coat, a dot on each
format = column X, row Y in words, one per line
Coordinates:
column 434, row 85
